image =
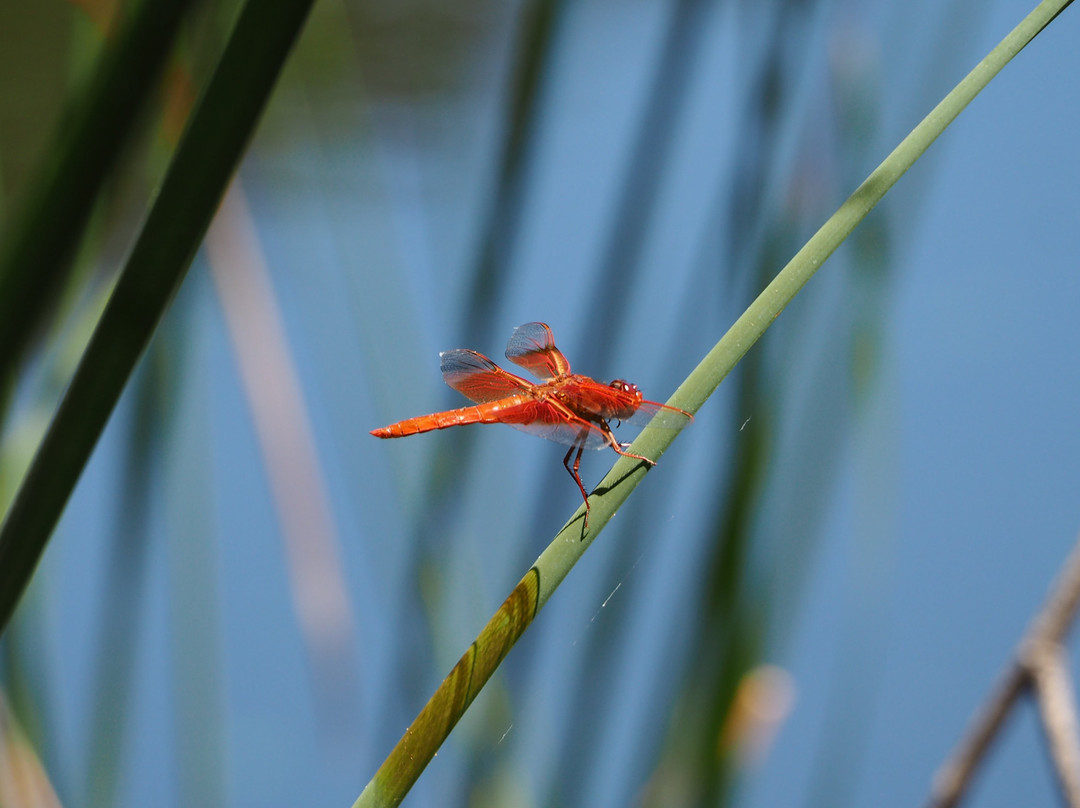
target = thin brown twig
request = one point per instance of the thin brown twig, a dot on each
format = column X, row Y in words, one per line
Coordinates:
column 1035, row 666
column 1057, row 708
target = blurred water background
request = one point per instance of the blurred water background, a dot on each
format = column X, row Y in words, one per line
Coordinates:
column 250, row 597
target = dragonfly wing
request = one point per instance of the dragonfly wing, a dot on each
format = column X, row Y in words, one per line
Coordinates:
column 532, row 346
column 659, row 415
column 478, row 378
column 548, row 421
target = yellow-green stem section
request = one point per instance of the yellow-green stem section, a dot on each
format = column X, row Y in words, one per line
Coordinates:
column 424, row 736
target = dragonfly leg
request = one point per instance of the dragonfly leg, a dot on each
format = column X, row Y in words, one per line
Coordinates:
column 618, row 447
column 577, row 477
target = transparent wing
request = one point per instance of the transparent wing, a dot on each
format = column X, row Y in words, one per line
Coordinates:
column 548, row 421
column 554, row 423
column 532, row 346
column 478, row 378
column 665, row 417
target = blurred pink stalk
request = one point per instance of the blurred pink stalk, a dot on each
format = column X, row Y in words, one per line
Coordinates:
column 288, row 447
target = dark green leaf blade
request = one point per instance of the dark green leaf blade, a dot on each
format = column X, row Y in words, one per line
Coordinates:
column 219, row 130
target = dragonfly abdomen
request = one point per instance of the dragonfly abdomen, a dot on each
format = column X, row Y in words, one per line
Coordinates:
column 492, row 412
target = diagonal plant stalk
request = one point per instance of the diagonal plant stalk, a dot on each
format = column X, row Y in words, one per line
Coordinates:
column 215, row 139
column 422, row 739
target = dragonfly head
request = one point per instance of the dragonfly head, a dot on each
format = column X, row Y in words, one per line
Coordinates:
column 631, row 399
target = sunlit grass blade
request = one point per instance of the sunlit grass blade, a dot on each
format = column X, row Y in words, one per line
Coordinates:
column 446, row 706
column 212, row 145
column 38, row 245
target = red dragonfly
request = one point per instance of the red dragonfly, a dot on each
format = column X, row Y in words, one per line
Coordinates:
column 565, row 407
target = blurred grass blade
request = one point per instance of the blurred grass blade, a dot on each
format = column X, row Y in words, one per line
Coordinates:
column 503, row 215
column 23, row 780
column 195, row 625
column 219, row 130
column 37, row 249
column 122, row 607
column 641, row 182
column 449, row 702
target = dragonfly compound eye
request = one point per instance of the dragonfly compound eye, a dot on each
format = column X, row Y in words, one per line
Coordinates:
column 632, row 402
